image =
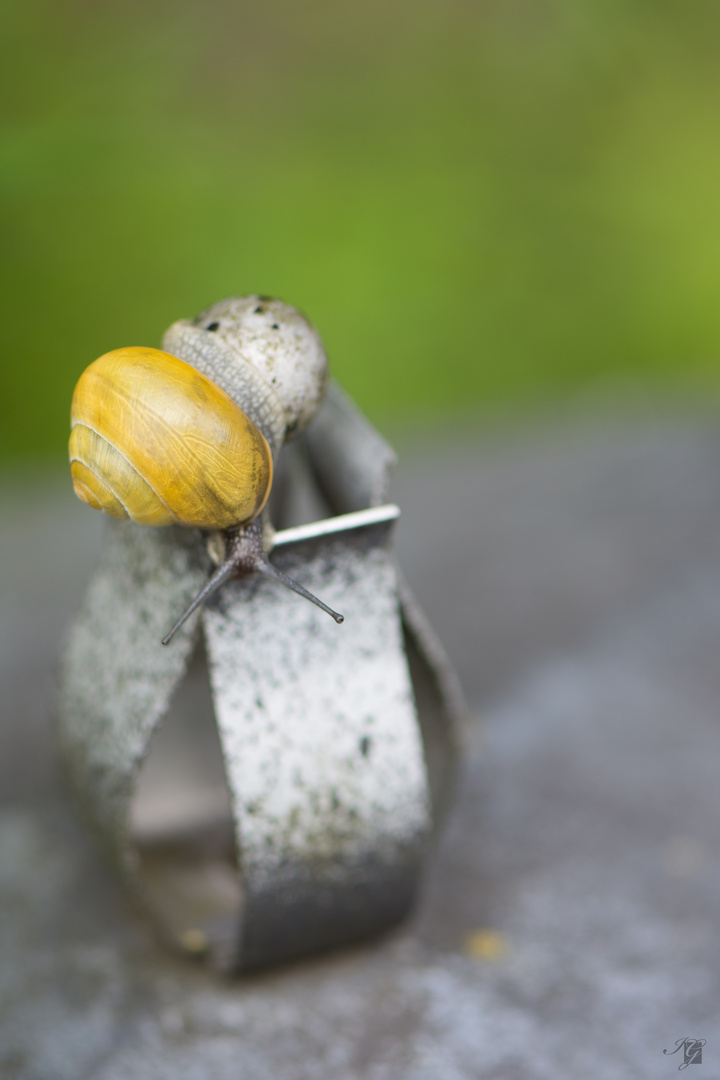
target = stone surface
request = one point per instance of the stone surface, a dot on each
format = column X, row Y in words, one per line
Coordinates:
column 569, row 920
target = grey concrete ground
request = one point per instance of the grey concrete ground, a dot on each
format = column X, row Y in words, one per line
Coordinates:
column 569, row 924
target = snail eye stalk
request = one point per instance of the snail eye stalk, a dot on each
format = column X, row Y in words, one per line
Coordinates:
column 244, row 554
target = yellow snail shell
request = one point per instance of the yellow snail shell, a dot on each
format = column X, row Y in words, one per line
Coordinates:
column 155, row 440
column 188, row 435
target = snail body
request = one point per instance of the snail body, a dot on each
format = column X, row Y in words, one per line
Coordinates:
column 187, row 435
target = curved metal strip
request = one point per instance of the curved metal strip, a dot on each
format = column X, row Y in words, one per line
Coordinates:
column 116, row 680
column 338, row 744
column 351, row 461
column 322, row 748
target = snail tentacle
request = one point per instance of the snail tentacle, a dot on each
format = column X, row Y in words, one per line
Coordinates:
column 244, row 553
column 266, row 567
column 223, row 572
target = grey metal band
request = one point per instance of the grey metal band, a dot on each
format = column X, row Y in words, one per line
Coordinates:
column 352, row 463
column 323, row 754
column 271, row 794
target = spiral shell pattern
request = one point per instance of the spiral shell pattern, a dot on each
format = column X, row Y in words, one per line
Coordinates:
column 155, row 440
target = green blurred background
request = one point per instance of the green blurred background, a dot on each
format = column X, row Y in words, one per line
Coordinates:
column 479, row 204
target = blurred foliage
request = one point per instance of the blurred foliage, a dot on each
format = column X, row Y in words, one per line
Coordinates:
column 474, row 201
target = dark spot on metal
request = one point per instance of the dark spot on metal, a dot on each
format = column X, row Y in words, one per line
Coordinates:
column 212, row 327
column 365, row 744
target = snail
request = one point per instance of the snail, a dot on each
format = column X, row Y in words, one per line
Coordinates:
column 187, row 434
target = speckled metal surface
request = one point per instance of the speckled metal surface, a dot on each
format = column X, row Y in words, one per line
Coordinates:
column 338, row 745
column 116, row 681
column 322, row 748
